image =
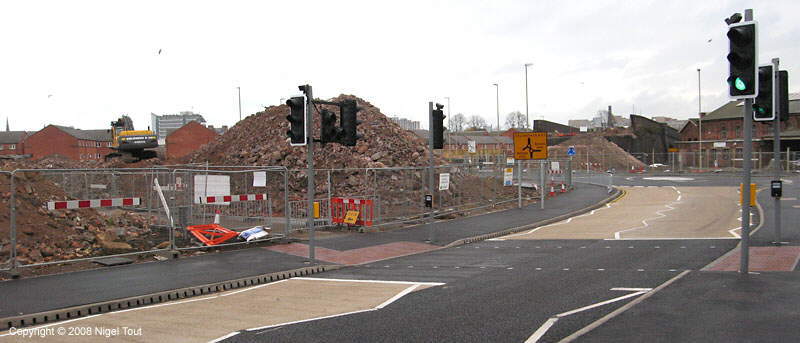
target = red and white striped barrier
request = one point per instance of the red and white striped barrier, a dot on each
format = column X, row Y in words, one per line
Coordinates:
column 556, row 171
column 355, row 201
column 93, row 203
column 231, row 198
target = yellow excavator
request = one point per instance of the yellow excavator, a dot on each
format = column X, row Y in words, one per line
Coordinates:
column 129, row 144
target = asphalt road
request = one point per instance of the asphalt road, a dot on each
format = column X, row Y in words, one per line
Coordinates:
column 502, row 291
column 517, row 290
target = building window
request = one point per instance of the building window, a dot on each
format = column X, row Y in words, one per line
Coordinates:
column 97, row 144
column 723, row 133
column 738, row 132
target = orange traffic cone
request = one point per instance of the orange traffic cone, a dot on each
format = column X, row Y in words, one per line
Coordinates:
column 216, row 217
column 552, row 191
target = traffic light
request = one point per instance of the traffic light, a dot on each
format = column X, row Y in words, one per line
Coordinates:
column 743, row 60
column 329, row 132
column 783, row 95
column 762, row 106
column 297, row 120
column 437, row 129
column 349, row 123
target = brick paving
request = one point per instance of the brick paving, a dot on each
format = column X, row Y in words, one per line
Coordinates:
column 762, row 259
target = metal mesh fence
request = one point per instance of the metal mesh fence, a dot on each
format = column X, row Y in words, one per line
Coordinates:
column 236, row 198
column 64, row 215
column 7, row 237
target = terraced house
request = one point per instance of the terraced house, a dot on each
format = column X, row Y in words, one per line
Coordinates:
column 723, row 136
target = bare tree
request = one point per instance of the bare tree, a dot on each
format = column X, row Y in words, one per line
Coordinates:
column 457, row 122
column 516, row 120
column 476, row 122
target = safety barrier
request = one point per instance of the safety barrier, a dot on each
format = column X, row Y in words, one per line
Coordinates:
column 365, row 208
column 241, row 197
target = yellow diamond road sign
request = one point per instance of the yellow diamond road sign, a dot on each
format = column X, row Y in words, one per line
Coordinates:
column 530, row 145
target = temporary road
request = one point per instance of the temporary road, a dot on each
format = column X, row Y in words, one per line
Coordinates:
column 656, row 212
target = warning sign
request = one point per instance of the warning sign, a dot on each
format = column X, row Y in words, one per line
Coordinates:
column 351, row 217
column 508, row 177
column 530, row 145
column 444, row 181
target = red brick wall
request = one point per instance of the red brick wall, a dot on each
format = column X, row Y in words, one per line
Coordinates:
column 19, row 148
column 188, row 139
column 52, row 141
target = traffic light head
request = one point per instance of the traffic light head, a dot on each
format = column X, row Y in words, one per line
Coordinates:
column 762, row 106
column 349, row 123
column 297, row 120
column 783, row 95
column 437, row 129
column 329, row 133
column 743, row 60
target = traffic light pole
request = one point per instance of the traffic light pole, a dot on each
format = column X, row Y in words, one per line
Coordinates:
column 310, row 172
column 747, row 160
column 776, row 143
column 430, row 171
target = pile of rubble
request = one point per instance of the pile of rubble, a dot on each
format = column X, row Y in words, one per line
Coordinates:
column 44, row 235
column 260, row 139
column 600, row 153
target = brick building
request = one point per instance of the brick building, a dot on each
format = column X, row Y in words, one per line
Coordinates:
column 188, row 138
column 723, row 136
column 12, row 142
column 68, row 142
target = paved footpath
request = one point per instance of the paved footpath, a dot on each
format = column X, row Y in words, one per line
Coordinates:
column 51, row 292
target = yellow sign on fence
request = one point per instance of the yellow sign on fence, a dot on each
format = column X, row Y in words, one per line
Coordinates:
column 530, row 145
column 351, row 217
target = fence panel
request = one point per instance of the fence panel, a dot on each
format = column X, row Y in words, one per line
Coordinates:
column 7, row 234
column 68, row 215
column 236, row 198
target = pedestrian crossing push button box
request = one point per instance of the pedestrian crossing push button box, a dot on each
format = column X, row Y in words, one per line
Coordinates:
column 777, row 188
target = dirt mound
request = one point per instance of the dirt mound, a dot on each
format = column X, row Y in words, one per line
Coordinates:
column 602, row 154
column 44, row 235
column 260, row 139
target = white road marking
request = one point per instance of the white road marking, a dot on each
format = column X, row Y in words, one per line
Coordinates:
column 660, row 213
column 668, row 178
column 789, row 199
column 254, row 287
column 372, row 281
column 224, row 337
column 666, row 238
column 623, row 308
column 542, row 330
column 567, row 221
column 624, row 289
column 397, row 296
column 309, row 320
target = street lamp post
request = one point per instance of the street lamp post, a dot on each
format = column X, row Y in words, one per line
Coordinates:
column 497, row 88
column 239, row 91
column 699, row 122
column 527, row 119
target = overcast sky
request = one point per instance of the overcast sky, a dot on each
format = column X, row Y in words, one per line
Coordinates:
column 83, row 63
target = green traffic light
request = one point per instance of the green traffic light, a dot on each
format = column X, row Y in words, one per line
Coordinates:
column 739, row 84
